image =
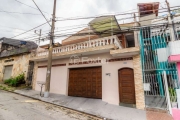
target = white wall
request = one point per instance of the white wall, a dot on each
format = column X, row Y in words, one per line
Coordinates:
column 58, row 79
column 110, row 87
column 41, row 76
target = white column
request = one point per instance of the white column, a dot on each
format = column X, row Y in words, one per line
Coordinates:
column 167, row 92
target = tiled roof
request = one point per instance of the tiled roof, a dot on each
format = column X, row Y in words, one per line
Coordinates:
column 27, row 46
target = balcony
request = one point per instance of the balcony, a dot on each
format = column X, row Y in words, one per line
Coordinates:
column 126, row 52
column 95, row 46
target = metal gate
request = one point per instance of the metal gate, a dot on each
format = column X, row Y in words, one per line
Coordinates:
column 160, row 77
column 159, row 87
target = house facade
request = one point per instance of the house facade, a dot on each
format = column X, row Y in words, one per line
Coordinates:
column 96, row 64
column 14, row 58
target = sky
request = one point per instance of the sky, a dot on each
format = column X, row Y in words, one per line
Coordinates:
column 12, row 24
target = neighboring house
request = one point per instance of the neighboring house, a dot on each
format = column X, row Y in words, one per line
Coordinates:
column 160, row 56
column 95, row 63
column 14, row 58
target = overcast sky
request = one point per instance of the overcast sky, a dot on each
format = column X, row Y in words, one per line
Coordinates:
column 14, row 24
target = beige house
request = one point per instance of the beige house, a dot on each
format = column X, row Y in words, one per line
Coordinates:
column 14, row 58
column 101, row 62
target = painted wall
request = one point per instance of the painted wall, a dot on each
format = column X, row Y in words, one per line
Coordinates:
column 20, row 64
column 178, row 69
column 59, row 77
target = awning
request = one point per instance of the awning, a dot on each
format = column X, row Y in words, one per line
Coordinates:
column 105, row 25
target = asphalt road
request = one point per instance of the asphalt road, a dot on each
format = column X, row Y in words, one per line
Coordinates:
column 16, row 107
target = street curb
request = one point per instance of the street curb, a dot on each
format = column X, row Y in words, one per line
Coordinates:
column 99, row 117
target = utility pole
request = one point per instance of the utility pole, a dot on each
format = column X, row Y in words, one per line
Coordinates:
column 39, row 34
column 48, row 74
column 171, row 22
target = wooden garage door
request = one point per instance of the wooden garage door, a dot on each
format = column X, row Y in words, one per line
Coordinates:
column 126, row 86
column 85, row 82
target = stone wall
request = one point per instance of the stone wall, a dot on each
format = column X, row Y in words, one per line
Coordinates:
column 34, row 75
column 138, row 78
column 20, row 64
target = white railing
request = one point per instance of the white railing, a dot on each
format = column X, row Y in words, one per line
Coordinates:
column 84, row 45
column 156, row 86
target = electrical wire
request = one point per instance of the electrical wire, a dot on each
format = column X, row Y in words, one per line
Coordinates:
column 105, row 14
column 107, row 32
column 20, row 13
column 11, row 27
column 116, row 31
column 100, row 22
column 29, row 5
column 86, row 33
column 117, row 14
column 29, row 30
column 41, row 12
column 11, row 15
column 102, row 27
column 112, row 21
column 123, row 18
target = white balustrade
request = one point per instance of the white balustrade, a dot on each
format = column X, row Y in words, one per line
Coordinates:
column 84, row 45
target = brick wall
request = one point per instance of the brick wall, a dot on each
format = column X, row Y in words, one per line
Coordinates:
column 139, row 91
column 34, row 75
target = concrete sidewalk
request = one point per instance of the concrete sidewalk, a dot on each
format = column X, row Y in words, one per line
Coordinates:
column 91, row 106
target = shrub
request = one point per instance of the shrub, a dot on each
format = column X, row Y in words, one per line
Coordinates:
column 172, row 93
column 8, row 81
column 15, row 81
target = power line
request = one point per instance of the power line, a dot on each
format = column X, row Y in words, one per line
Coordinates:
column 70, row 29
column 16, row 31
column 41, row 13
column 105, row 14
column 104, row 22
column 11, row 27
column 29, row 30
column 117, row 14
column 105, row 32
column 29, row 6
column 64, row 35
column 19, row 13
column 100, row 23
column 11, row 15
column 86, row 24
column 115, row 32
column 124, row 18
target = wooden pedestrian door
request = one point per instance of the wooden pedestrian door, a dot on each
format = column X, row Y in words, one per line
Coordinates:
column 126, row 86
column 85, row 82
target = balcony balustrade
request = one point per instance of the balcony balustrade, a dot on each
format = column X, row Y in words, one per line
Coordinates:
column 101, row 42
